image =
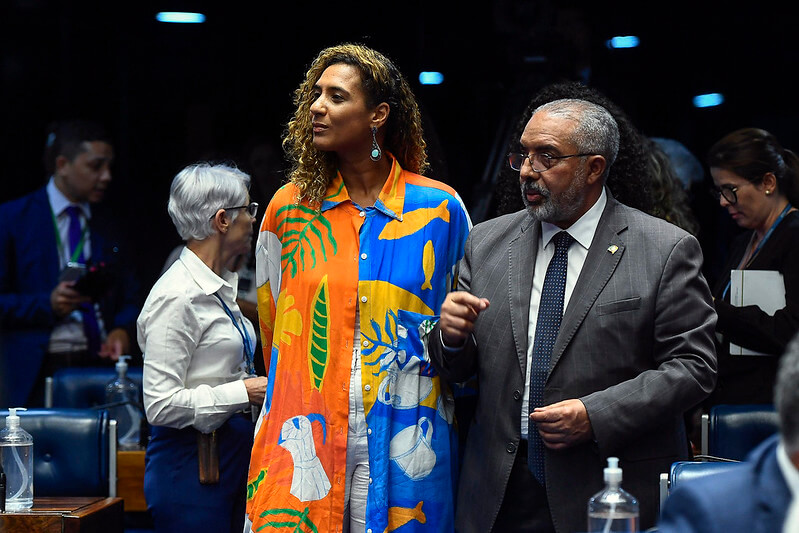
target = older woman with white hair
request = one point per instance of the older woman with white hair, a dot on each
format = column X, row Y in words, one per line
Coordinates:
column 199, row 379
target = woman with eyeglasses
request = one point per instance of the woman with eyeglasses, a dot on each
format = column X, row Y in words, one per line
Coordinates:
column 199, row 379
column 757, row 181
column 354, row 257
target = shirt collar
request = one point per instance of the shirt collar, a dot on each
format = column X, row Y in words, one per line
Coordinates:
column 390, row 201
column 583, row 230
column 206, row 278
column 789, row 471
column 59, row 202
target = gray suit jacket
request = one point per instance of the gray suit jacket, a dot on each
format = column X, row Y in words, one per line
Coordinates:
column 635, row 345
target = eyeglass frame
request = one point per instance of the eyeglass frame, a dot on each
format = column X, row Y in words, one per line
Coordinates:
column 719, row 192
column 548, row 158
column 252, row 206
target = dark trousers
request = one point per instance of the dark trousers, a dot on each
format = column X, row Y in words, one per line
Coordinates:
column 175, row 497
column 525, row 507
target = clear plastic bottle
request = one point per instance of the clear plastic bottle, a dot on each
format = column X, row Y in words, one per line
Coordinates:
column 613, row 508
column 16, row 456
column 122, row 396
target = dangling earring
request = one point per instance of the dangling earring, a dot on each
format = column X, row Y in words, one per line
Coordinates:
column 376, row 152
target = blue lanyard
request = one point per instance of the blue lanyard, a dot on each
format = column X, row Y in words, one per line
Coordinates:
column 249, row 351
column 760, row 244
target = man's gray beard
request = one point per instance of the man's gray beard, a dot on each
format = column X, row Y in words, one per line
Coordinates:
column 542, row 212
column 563, row 207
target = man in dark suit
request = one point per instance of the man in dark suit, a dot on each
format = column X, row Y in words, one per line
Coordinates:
column 48, row 239
column 756, row 496
column 603, row 335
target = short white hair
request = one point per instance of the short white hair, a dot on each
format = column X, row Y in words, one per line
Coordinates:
column 199, row 191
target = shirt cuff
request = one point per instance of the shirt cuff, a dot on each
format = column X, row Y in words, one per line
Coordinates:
column 450, row 349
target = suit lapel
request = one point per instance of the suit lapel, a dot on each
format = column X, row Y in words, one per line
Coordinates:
column 98, row 243
column 46, row 237
column 521, row 265
column 607, row 249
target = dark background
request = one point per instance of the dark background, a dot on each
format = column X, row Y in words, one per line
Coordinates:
column 173, row 94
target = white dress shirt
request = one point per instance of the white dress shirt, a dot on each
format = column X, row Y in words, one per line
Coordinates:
column 59, row 204
column 68, row 334
column 788, row 469
column 583, row 233
column 194, row 360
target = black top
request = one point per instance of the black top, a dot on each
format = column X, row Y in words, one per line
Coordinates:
column 750, row 379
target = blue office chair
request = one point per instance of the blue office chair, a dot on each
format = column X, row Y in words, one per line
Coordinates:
column 74, row 451
column 83, row 386
column 732, row 431
column 687, row 471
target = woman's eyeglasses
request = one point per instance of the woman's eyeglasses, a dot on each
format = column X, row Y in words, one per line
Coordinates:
column 252, row 209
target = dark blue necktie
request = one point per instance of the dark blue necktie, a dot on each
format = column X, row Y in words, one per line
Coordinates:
column 91, row 327
column 550, row 312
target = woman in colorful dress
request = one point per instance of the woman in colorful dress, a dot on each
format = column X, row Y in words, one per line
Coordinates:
column 354, row 257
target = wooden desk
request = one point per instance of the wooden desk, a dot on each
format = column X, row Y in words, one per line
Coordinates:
column 130, row 479
column 67, row 515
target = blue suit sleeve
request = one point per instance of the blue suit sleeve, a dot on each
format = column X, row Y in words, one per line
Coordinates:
column 685, row 512
column 18, row 308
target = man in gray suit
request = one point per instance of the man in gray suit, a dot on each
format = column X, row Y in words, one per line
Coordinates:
column 604, row 338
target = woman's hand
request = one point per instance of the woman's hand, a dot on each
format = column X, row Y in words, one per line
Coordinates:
column 256, row 389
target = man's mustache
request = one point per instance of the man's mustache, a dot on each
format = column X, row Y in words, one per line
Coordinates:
column 535, row 188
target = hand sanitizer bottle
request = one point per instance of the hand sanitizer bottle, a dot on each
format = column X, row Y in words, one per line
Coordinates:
column 612, row 509
column 122, row 397
column 16, row 456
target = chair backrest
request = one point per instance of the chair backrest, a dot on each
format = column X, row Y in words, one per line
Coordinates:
column 84, row 386
column 687, row 471
column 732, row 431
column 74, row 451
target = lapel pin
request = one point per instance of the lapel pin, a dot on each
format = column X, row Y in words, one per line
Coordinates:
column 613, row 248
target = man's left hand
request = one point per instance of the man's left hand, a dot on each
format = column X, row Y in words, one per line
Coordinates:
column 562, row 424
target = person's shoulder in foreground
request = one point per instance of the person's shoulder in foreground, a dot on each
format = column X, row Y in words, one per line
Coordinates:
column 750, row 497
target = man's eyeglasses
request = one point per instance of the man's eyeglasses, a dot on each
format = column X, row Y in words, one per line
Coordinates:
column 539, row 162
column 252, row 209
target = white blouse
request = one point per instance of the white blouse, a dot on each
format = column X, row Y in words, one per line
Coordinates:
column 194, row 359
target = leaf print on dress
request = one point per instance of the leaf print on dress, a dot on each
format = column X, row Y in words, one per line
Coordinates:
column 309, row 481
column 289, row 320
column 297, row 519
column 252, row 486
column 405, row 383
column 319, row 335
column 298, row 223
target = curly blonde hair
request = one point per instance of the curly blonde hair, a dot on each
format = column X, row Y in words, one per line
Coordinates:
column 312, row 169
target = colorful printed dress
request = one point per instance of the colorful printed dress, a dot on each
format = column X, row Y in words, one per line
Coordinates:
column 394, row 261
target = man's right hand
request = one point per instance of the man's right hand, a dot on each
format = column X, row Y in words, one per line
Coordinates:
column 64, row 299
column 458, row 313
